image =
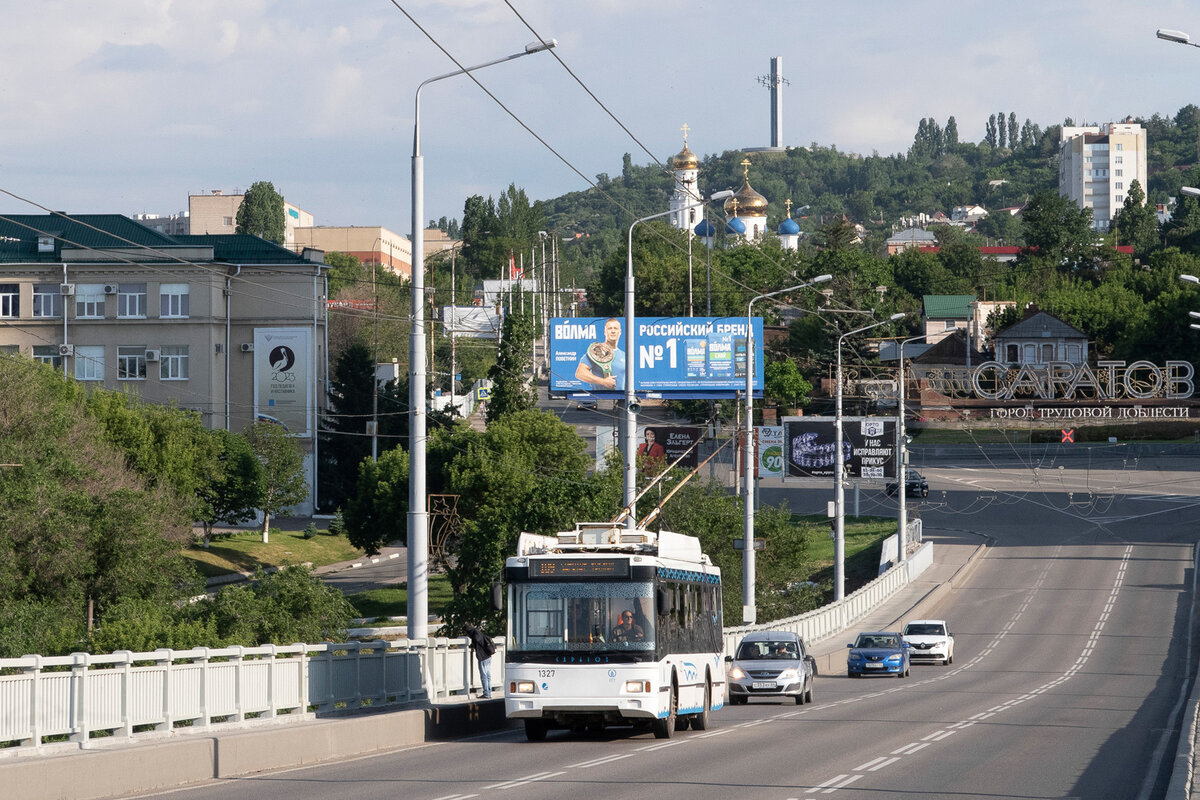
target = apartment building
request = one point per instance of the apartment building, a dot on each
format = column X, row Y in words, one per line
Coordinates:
column 216, row 213
column 1097, row 163
column 370, row 244
column 230, row 326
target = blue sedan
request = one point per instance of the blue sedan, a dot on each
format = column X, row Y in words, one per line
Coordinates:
column 878, row 653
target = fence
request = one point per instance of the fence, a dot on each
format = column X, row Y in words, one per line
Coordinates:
column 81, row 696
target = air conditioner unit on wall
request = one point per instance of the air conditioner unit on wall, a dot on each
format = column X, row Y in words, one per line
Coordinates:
column 247, row 347
column 66, row 288
column 66, row 349
column 110, row 288
column 152, row 355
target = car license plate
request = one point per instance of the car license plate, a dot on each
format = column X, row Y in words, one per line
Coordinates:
column 763, row 685
column 874, row 666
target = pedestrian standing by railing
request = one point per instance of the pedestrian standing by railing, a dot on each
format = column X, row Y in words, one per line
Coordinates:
column 484, row 647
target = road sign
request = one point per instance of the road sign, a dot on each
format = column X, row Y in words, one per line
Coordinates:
column 740, row 544
column 1068, row 435
column 483, row 393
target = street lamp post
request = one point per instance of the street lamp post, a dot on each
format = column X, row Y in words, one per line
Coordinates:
column 902, row 462
column 1179, row 37
column 631, row 405
column 749, row 609
column 418, row 513
column 839, row 496
column 1192, row 314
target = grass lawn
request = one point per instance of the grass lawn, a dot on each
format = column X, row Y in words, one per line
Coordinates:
column 393, row 600
column 245, row 551
column 864, row 540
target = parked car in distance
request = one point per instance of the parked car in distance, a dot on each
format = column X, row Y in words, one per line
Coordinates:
column 915, row 485
column 771, row 664
column 878, row 653
column 930, row 640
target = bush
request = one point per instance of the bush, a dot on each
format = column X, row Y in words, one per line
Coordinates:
column 337, row 525
column 310, row 530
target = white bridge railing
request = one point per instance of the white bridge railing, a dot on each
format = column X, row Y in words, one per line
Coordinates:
column 81, row 695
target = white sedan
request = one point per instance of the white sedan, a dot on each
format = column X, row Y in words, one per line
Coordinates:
column 929, row 640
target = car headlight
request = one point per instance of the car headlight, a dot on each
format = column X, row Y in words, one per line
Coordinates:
column 854, row 657
column 735, row 673
column 895, row 658
column 792, row 674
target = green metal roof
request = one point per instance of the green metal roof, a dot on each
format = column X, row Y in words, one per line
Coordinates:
column 948, row 306
column 19, row 234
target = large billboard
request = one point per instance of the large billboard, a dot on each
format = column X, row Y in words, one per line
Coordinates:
column 678, row 357
column 868, row 447
column 282, row 372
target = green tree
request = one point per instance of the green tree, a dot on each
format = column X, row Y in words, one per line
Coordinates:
column 290, row 605
column 785, row 385
column 282, row 479
column 261, row 212
column 377, row 512
column 1135, row 222
column 344, row 443
column 231, row 494
column 1060, row 231
column 505, row 479
column 512, row 388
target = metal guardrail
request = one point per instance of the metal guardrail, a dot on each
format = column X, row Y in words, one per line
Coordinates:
column 836, row 617
column 121, row 694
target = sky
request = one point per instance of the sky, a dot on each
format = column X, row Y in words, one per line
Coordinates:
column 130, row 107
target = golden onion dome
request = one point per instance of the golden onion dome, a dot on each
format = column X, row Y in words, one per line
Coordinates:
column 685, row 159
column 746, row 202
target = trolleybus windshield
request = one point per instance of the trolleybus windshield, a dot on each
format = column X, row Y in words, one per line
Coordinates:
column 552, row 617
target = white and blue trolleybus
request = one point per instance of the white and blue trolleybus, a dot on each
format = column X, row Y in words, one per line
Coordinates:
column 609, row 625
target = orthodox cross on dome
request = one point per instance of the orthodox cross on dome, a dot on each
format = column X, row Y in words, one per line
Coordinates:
column 788, row 203
column 685, row 130
column 746, row 169
column 734, row 204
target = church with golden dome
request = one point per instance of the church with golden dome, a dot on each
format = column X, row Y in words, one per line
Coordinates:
column 745, row 212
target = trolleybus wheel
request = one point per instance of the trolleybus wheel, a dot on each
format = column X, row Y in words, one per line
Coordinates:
column 700, row 721
column 535, row 730
column 664, row 727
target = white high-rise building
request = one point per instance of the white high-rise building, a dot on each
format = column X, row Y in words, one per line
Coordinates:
column 1097, row 163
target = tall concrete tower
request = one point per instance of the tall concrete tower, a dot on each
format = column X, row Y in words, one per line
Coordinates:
column 775, row 81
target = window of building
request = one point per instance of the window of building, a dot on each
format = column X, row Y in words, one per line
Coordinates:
column 1120, row 198
column 1047, row 353
column 229, row 221
column 1012, row 353
column 173, row 363
column 949, row 325
column 1120, row 185
column 131, row 300
column 1118, row 159
column 1120, row 146
column 47, row 301
column 89, row 301
column 10, row 300
column 89, row 360
column 47, row 354
column 1029, row 353
column 1073, row 353
column 131, row 363
column 10, row 349
column 1118, row 172
column 174, row 300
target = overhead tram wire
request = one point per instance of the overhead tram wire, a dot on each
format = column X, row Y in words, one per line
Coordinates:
column 628, row 211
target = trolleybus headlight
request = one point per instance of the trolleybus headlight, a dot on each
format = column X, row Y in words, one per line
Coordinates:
column 521, row 687
column 636, row 687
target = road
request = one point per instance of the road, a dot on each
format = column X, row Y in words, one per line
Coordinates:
column 1074, row 652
